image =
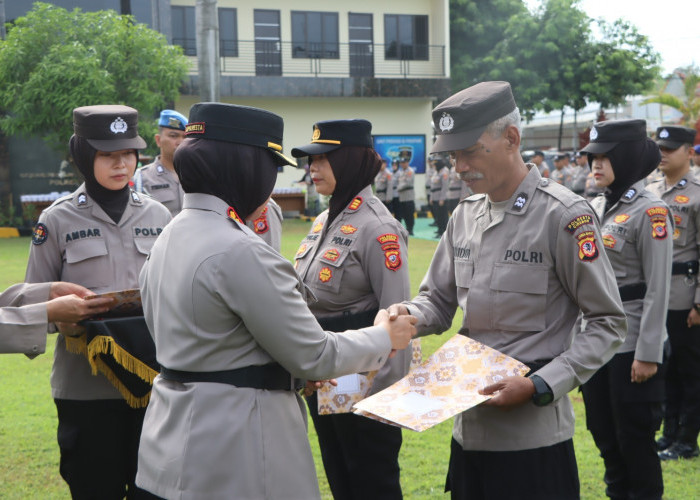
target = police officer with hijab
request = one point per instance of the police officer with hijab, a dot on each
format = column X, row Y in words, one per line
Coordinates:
column 623, row 399
column 681, row 191
column 99, row 237
column 521, row 257
column 232, row 329
column 354, row 260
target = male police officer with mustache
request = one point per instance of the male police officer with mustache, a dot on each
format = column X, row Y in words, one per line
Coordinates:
column 521, row 258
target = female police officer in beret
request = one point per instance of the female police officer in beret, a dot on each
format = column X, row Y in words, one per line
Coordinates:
column 354, row 260
column 99, row 237
column 231, row 327
column 623, row 399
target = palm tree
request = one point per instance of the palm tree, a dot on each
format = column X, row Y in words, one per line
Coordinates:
column 689, row 105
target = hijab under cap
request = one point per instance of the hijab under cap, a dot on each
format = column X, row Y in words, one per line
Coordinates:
column 354, row 168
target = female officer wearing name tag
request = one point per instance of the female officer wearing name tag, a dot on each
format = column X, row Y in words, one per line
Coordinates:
column 623, row 399
column 231, row 327
column 98, row 237
column 354, row 260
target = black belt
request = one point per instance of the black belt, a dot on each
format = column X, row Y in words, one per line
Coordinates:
column 689, row 268
column 632, row 292
column 405, row 189
column 271, row 377
column 458, row 188
column 347, row 321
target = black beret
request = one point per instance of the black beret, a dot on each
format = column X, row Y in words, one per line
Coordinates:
column 108, row 127
column 462, row 118
column 673, row 137
column 606, row 135
column 238, row 124
column 332, row 134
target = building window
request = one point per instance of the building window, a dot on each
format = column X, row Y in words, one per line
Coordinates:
column 406, row 37
column 315, row 35
column 184, row 33
column 228, row 33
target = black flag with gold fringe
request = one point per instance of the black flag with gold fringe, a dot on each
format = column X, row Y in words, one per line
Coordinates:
column 123, row 351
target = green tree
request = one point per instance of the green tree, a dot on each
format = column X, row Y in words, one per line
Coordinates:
column 54, row 60
column 689, row 104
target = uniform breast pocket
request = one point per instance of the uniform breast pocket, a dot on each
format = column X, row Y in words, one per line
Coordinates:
column 464, row 270
column 163, row 195
column 680, row 230
column 144, row 245
column 615, row 248
column 87, row 263
column 520, row 297
column 330, row 262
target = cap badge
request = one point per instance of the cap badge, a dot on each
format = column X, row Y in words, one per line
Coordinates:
column 119, row 126
column 663, row 134
column 594, row 134
column 174, row 122
column 446, row 122
column 317, row 134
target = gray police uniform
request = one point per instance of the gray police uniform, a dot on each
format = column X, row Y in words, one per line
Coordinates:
column 562, row 176
column 354, row 266
column 683, row 376
column 439, row 188
column 238, row 304
column 623, row 416
column 269, row 225
column 160, row 183
column 578, row 179
column 382, row 186
column 23, row 318
column 455, row 190
column 407, row 196
column 78, row 242
column 521, row 282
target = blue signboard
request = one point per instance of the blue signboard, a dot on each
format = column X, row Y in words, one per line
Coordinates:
column 392, row 147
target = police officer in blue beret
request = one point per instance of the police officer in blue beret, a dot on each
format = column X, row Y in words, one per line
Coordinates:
column 159, row 179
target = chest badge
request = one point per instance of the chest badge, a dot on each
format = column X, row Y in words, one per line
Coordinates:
column 356, row 203
column 325, row 274
column 332, row 254
column 681, row 199
column 348, row 229
column 317, row 227
column 622, row 218
column 301, row 250
column 609, row 241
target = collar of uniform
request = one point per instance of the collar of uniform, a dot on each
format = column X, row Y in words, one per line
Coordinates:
column 521, row 197
column 632, row 193
column 81, row 199
column 201, row 201
column 365, row 194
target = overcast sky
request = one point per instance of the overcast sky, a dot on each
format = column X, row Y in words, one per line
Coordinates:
column 673, row 26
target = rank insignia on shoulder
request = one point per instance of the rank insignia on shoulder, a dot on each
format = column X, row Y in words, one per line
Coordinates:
column 232, row 214
column 39, row 234
column 82, row 199
column 657, row 216
column 622, row 218
column 630, row 194
column 355, row 204
column 578, row 221
column 677, row 219
column 682, row 182
column 676, row 233
column 160, row 169
column 392, row 259
column 135, row 196
column 681, row 199
column 317, row 227
column 325, row 274
column 332, row 254
column 388, row 238
column 587, row 248
column 348, row 229
column 519, row 202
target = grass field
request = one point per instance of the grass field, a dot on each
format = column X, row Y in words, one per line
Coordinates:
column 29, row 453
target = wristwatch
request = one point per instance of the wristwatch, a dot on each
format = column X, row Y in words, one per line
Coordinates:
column 543, row 393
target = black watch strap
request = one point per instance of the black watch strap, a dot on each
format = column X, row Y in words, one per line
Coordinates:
column 543, row 393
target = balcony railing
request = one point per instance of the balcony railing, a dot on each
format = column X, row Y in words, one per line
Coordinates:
column 272, row 58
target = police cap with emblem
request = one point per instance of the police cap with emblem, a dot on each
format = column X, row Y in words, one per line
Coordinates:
column 172, row 119
column 673, row 137
column 462, row 118
column 332, row 134
column 239, row 125
column 108, row 127
column 606, row 135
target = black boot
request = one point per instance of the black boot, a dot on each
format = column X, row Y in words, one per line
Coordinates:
column 669, row 435
column 686, row 445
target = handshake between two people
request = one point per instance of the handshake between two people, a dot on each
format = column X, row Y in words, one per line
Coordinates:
column 399, row 323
